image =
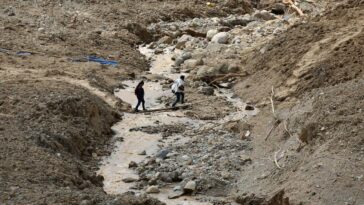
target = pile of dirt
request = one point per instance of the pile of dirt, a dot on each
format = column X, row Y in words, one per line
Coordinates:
column 316, row 53
column 314, row 150
column 51, row 135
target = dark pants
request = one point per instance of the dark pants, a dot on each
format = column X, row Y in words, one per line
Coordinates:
column 140, row 101
column 180, row 97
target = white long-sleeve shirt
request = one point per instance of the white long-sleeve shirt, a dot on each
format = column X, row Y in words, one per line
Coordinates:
column 177, row 84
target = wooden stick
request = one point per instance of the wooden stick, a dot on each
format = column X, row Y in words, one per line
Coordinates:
column 274, row 115
column 272, row 103
column 275, row 159
column 291, row 4
column 285, row 127
column 276, row 123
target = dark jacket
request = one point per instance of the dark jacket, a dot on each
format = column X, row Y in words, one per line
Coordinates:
column 139, row 92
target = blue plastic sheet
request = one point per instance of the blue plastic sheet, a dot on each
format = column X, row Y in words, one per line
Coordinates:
column 102, row 60
column 23, row 53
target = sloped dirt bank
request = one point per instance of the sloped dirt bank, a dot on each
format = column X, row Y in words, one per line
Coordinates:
column 314, row 151
column 51, row 133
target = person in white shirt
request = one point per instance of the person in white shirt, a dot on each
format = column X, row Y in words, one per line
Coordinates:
column 178, row 89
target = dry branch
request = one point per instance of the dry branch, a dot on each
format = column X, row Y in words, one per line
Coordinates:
column 272, row 102
column 291, row 4
column 275, row 159
column 277, row 121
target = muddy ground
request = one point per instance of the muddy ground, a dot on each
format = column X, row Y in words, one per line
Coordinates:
column 57, row 109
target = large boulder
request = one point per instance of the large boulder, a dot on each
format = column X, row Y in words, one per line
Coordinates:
column 190, row 186
column 152, row 190
column 207, row 90
column 264, row 15
column 192, row 64
column 211, row 33
column 181, row 42
column 165, row 40
column 221, row 38
column 205, row 70
column 182, row 58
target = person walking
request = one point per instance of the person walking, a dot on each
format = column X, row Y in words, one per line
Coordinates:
column 178, row 89
column 139, row 92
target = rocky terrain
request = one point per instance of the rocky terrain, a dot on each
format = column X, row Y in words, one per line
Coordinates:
column 274, row 102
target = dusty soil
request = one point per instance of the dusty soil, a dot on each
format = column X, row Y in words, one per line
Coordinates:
column 316, row 70
column 54, row 122
column 56, row 110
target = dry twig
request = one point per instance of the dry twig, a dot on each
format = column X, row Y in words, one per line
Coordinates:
column 275, row 159
column 277, row 121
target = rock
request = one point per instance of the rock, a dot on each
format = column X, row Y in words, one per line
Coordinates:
column 192, row 63
column 233, row 68
column 205, row 70
column 142, row 152
column 222, row 68
column 108, row 34
column 211, row 33
column 182, row 58
column 153, row 181
column 181, row 45
column 190, row 186
column 232, row 22
column 221, row 38
column 236, row 40
column 225, row 175
column 186, row 55
column 181, row 42
column 165, row 40
column 152, row 190
column 175, row 194
column 133, row 164
column 166, row 177
column 162, row 154
column 247, row 133
column 245, row 159
column 41, row 30
column 9, row 11
column 177, row 188
column 207, row 91
column 186, row 159
column 264, row 15
column 86, row 202
column 129, row 180
column 173, row 27
column 158, row 51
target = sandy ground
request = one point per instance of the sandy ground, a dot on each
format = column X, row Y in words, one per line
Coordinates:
column 56, row 110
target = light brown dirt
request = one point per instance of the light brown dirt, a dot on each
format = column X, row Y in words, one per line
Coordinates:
column 55, row 114
column 316, row 69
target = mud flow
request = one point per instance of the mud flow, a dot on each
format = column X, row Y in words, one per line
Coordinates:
column 115, row 168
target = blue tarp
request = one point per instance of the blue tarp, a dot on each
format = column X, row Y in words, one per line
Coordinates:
column 23, row 53
column 102, row 61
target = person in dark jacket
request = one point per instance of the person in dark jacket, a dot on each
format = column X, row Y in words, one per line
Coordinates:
column 139, row 92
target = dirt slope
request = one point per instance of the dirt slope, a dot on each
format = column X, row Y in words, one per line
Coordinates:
column 316, row 70
column 319, row 52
